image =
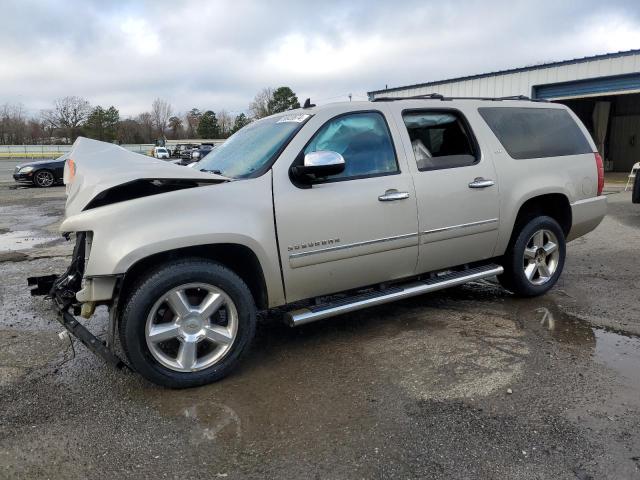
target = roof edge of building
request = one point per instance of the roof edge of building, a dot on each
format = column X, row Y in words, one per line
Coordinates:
column 560, row 63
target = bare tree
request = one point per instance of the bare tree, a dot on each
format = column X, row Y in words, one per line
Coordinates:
column 129, row 131
column 146, row 122
column 67, row 114
column 225, row 123
column 193, row 121
column 161, row 112
column 13, row 124
column 36, row 131
column 260, row 107
column 176, row 127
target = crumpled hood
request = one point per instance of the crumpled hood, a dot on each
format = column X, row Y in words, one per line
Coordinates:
column 101, row 166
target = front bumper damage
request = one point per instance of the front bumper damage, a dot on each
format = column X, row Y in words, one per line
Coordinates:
column 62, row 289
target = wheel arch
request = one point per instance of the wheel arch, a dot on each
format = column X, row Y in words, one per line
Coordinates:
column 238, row 258
column 554, row 205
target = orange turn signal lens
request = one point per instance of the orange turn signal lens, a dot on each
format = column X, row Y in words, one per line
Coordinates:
column 71, row 169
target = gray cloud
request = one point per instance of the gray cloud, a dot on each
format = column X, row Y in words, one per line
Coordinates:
column 217, row 55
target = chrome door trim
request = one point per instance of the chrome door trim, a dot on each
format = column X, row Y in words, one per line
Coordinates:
column 462, row 225
column 351, row 245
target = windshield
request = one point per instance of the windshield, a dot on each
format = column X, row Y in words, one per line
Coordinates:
column 253, row 147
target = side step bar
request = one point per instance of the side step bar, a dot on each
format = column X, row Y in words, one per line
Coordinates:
column 369, row 299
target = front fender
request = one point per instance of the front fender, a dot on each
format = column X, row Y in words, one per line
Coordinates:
column 238, row 212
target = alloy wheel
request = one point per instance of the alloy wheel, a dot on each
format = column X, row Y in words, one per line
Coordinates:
column 191, row 327
column 541, row 257
column 44, row 178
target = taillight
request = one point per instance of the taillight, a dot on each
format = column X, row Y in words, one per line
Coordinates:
column 600, row 167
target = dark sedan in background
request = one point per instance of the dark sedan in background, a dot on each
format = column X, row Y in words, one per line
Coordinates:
column 45, row 173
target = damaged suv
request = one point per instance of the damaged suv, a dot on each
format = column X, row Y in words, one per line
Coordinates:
column 318, row 212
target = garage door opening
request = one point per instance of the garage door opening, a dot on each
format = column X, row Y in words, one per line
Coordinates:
column 614, row 124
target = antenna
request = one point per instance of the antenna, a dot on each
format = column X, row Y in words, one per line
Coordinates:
column 308, row 104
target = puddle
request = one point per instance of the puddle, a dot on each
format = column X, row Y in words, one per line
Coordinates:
column 620, row 353
column 562, row 326
column 22, row 240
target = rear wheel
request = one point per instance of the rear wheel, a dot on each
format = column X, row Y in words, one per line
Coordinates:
column 535, row 259
column 188, row 323
column 43, row 178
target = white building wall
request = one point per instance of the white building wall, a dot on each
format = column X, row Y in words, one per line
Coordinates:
column 522, row 82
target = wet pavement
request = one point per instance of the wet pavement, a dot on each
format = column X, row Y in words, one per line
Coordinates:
column 465, row 383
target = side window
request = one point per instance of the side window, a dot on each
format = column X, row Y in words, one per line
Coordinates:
column 363, row 139
column 535, row 132
column 439, row 140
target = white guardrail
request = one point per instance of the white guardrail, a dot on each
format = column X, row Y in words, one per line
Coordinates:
column 53, row 151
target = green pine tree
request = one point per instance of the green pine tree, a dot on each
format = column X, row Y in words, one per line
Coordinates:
column 208, row 125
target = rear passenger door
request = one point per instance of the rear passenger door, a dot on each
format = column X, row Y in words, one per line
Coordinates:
column 455, row 183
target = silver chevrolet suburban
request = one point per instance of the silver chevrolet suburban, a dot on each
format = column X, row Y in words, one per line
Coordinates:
column 317, row 212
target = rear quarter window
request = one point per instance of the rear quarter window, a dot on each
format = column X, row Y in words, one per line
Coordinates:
column 535, row 132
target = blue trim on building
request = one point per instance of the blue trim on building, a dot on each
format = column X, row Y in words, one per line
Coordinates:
column 513, row 70
column 589, row 86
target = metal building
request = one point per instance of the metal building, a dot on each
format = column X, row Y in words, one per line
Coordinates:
column 603, row 90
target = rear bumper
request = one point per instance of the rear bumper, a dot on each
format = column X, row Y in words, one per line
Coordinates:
column 586, row 215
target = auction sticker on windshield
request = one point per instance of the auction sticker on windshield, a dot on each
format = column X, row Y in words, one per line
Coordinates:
column 294, row 118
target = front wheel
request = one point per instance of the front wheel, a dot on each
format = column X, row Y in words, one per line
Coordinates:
column 535, row 258
column 43, row 179
column 188, row 323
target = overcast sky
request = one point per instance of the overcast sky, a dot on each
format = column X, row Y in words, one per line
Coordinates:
column 217, row 55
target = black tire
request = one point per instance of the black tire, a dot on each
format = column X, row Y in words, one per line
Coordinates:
column 44, row 178
column 514, row 277
column 157, row 283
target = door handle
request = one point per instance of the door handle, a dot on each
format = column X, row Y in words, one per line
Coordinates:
column 392, row 195
column 480, row 182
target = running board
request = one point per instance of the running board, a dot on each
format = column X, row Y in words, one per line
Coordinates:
column 370, row 299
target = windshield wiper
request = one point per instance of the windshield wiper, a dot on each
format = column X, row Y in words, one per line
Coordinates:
column 217, row 172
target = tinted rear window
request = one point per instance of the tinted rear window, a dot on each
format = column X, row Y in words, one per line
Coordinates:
column 536, row 132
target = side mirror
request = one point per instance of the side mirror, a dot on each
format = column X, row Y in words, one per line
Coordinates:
column 319, row 164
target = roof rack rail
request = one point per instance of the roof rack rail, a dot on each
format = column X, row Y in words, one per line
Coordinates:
column 437, row 96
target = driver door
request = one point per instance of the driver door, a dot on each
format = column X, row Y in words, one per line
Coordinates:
column 349, row 230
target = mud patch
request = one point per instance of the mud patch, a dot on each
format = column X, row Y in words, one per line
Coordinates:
column 13, row 257
column 22, row 352
column 468, row 356
column 516, row 444
column 22, row 240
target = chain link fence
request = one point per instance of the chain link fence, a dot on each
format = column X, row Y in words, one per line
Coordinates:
column 52, row 151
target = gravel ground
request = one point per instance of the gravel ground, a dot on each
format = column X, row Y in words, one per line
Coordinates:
column 466, row 383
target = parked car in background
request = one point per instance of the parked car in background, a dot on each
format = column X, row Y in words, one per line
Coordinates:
column 161, row 152
column 199, row 153
column 185, row 154
column 318, row 212
column 178, row 148
column 45, row 173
